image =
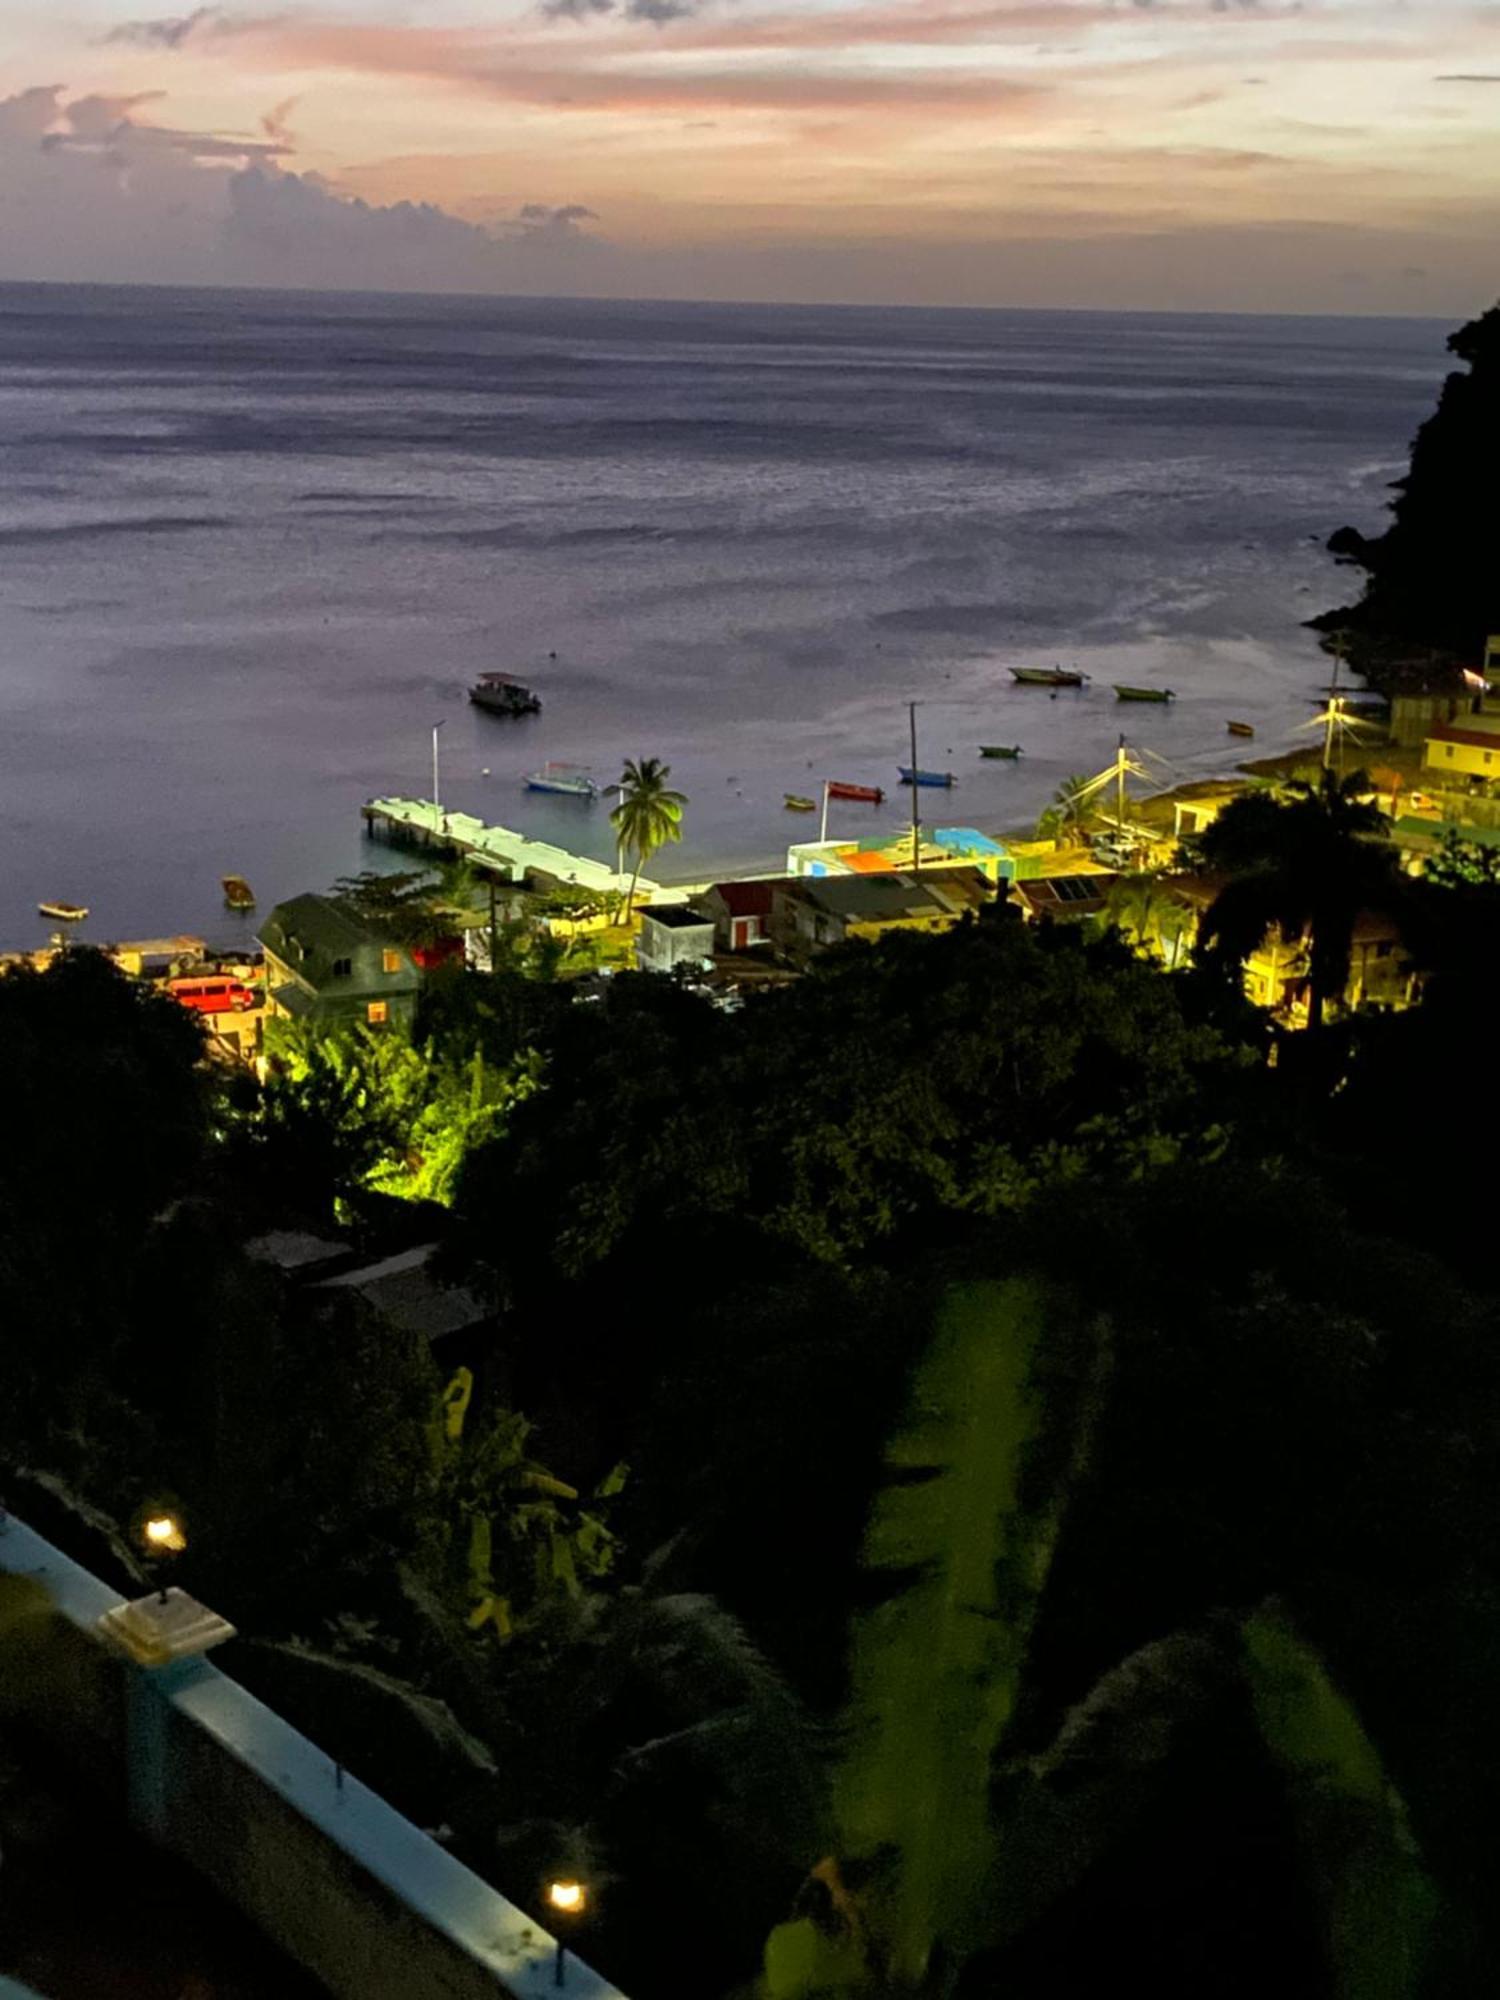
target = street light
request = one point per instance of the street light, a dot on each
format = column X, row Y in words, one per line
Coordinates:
column 568, row 1899
column 437, row 801
column 163, row 1536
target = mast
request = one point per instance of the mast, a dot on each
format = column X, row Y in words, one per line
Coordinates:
column 916, row 795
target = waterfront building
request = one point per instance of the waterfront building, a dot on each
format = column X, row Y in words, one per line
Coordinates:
column 324, row 964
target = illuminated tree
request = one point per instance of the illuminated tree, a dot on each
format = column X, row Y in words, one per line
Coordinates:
column 1070, row 812
column 648, row 816
column 1304, row 863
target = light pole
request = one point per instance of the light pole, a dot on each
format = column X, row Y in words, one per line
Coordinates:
column 567, row 1899
column 437, row 797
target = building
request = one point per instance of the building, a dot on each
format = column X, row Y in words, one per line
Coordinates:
column 1080, row 893
column 674, row 937
column 324, row 964
column 740, row 913
column 813, row 913
column 1381, row 973
column 1468, row 747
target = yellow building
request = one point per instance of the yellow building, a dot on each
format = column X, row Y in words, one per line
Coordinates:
column 1466, row 748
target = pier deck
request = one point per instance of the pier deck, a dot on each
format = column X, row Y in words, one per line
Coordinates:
column 511, row 856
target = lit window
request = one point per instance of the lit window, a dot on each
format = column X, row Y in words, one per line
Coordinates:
column 342, row 967
column 377, row 1013
column 390, row 961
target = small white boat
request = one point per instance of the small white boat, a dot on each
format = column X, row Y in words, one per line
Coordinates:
column 64, row 913
column 571, row 780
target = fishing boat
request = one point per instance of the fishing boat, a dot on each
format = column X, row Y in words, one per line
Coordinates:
column 909, row 776
column 500, row 694
column 1241, row 729
column 795, row 803
column 64, row 913
column 870, row 795
column 238, row 895
column 1007, row 750
column 1048, row 677
column 1123, row 693
column 570, row 780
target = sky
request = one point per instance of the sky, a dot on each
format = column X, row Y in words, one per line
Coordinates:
column 1240, row 155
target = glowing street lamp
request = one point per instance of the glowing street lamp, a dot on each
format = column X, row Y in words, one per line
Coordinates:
column 163, row 1534
column 567, row 1898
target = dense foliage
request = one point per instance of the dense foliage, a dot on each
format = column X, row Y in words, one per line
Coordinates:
column 1431, row 576
column 982, row 1485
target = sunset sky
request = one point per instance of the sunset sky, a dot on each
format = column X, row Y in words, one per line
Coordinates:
column 1302, row 155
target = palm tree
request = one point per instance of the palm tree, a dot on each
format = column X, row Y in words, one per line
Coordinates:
column 1303, row 863
column 1069, row 813
column 648, row 816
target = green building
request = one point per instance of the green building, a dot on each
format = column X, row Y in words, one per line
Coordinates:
column 324, row 964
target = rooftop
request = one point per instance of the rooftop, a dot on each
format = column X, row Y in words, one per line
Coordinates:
column 676, row 917
column 887, row 898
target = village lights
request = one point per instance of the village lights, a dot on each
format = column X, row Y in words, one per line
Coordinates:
column 568, row 1899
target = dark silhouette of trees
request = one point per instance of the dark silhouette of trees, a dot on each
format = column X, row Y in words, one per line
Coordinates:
column 1432, row 579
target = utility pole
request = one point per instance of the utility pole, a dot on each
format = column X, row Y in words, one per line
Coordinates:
column 916, row 795
column 1120, row 785
column 823, row 828
column 437, row 800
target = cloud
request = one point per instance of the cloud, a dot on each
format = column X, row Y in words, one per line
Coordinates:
column 168, row 33
column 539, row 223
column 273, row 122
column 657, row 12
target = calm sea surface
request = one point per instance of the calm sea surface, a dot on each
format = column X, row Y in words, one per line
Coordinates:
column 253, row 546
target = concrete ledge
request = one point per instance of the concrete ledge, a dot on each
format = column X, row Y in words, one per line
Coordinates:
column 345, row 1884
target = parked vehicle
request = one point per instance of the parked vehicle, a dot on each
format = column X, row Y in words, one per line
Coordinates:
column 212, row 993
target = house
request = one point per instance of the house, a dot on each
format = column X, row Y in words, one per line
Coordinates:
column 325, row 964
column 1079, row 893
column 674, row 935
column 1380, row 969
column 810, row 914
column 1466, row 748
column 740, row 913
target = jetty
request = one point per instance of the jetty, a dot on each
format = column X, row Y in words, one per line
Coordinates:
column 512, row 857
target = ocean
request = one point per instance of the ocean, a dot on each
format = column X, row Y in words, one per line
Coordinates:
column 253, row 546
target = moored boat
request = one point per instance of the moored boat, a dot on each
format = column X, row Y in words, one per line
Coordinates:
column 571, row 781
column 911, row 777
column 1009, row 750
column 1123, row 693
column 238, row 895
column 1048, row 677
column 500, row 694
column 795, row 803
column 64, row 913
column 870, row 795
column 1241, row 729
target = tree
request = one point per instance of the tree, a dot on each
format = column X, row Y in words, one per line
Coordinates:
column 1144, row 909
column 1070, row 812
column 648, row 816
column 1430, row 578
column 1305, row 864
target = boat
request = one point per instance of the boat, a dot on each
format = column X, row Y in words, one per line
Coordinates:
column 238, row 895
column 870, row 795
column 911, row 777
column 1048, row 677
column 1007, row 750
column 500, row 694
column 1123, row 693
column 1241, row 729
column 795, row 803
column 64, row 913
column 571, row 780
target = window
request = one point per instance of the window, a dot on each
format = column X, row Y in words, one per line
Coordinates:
column 377, row 1013
column 342, row 967
column 390, row 961
column 1383, row 950
column 1450, row 750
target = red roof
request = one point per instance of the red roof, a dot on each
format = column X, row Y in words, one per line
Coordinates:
column 1478, row 739
column 746, row 899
